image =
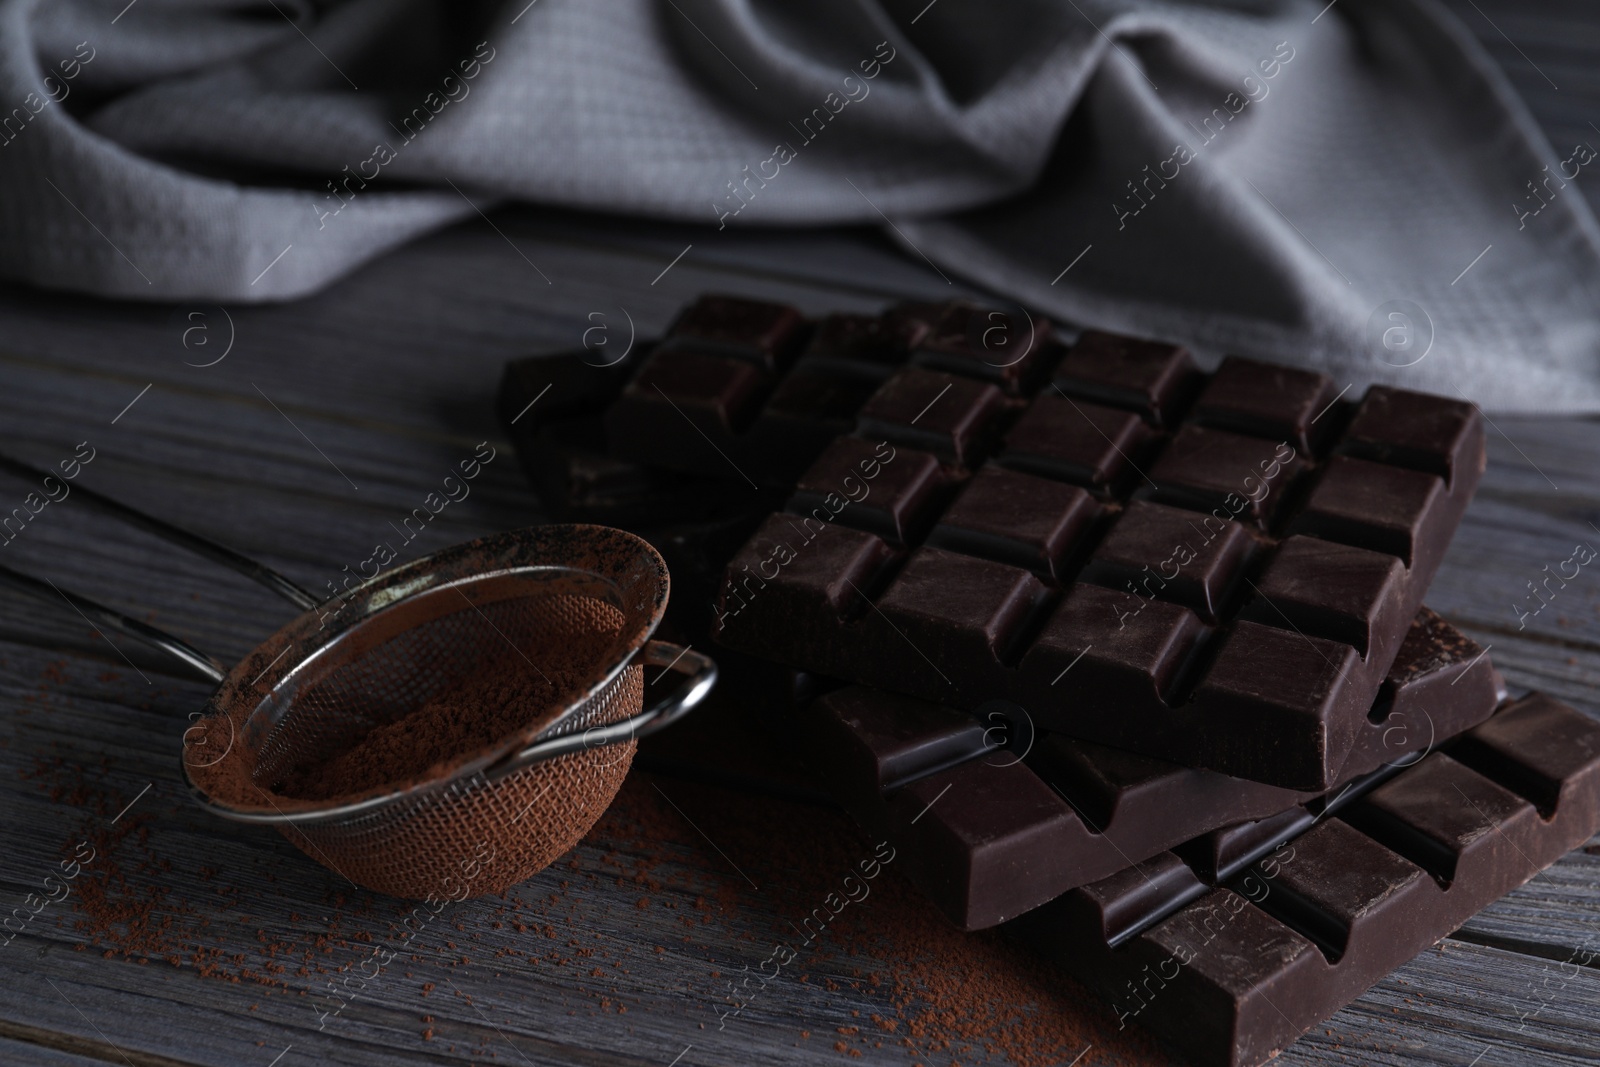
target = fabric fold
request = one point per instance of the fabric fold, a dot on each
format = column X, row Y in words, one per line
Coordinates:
column 1351, row 187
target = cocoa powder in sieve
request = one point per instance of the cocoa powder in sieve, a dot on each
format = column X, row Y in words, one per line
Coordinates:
column 500, row 700
column 463, row 719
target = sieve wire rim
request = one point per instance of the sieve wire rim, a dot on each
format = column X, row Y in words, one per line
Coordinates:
column 450, row 567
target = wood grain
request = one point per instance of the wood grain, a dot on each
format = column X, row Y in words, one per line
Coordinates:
column 391, row 375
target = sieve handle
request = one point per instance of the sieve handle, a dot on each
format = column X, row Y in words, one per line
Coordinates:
column 701, row 675
column 194, row 661
column 200, row 546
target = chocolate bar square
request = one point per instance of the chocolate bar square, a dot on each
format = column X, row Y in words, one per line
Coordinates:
column 1267, row 400
column 996, row 346
column 755, row 330
column 1327, row 589
column 1086, row 444
column 1149, row 377
column 1224, row 473
column 1017, row 518
column 941, row 413
column 1426, row 433
column 889, row 491
column 1363, row 503
column 1153, row 550
column 950, row 607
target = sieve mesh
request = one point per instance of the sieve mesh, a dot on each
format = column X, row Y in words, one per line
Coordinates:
column 465, row 829
column 473, row 835
column 331, row 710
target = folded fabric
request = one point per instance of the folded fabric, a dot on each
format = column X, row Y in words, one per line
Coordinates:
column 1350, row 186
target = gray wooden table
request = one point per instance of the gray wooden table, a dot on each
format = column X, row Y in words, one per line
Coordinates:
column 187, row 941
column 329, row 420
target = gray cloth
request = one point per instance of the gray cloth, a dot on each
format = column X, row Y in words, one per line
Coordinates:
column 1284, row 180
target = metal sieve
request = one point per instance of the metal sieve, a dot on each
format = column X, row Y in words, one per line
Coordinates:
column 477, row 822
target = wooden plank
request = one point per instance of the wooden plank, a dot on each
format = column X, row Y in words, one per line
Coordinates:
column 1459, row 1004
column 370, row 348
column 39, row 1047
column 1555, row 916
column 1547, row 52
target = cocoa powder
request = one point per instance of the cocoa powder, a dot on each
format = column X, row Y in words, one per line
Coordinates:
column 464, row 718
column 943, row 995
column 503, row 698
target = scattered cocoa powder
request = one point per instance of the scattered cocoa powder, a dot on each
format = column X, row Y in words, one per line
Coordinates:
column 940, row 995
column 944, row 995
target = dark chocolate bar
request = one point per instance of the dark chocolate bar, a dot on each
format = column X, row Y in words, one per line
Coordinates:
column 739, row 392
column 1218, row 573
column 1231, row 971
column 741, row 388
column 1199, row 601
column 989, row 832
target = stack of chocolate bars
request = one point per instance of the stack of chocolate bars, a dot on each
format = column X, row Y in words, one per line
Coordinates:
column 1127, row 655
